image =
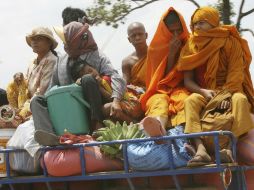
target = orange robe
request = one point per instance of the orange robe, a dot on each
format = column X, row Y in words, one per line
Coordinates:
column 157, row 82
column 226, row 56
column 138, row 73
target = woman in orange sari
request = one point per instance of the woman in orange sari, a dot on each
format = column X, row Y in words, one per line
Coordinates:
column 216, row 59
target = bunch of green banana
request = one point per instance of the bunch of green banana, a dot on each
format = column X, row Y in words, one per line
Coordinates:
column 116, row 131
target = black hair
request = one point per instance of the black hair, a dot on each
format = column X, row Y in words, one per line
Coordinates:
column 171, row 18
column 3, row 97
column 70, row 14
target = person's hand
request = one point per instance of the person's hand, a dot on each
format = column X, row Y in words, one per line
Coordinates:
column 98, row 79
column 225, row 104
column 174, row 46
column 208, row 94
column 78, row 81
column 116, row 109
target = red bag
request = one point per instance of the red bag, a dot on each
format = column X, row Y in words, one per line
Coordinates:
column 67, row 162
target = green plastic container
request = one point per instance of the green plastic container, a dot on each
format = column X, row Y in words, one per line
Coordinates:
column 68, row 110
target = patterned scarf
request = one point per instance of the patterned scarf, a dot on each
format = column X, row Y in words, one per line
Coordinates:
column 79, row 39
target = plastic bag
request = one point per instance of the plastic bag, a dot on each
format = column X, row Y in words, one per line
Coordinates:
column 28, row 160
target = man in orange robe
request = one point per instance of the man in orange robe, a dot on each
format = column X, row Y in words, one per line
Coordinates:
column 216, row 58
column 163, row 100
column 133, row 66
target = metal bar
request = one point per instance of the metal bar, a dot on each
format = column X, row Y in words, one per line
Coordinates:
column 11, row 187
column 45, row 172
column 177, row 184
column 125, row 158
column 171, row 164
column 82, row 160
column 7, row 163
column 217, row 150
column 130, row 184
column 193, row 135
column 48, row 186
column 108, row 175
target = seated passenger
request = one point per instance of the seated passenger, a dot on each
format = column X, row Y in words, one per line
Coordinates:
column 21, row 90
column 215, row 61
column 163, row 100
column 130, row 105
column 165, row 92
column 17, row 93
column 81, row 49
column 133, row 66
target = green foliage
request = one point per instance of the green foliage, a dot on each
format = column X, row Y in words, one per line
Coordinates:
column 114, row 12
column 116, row 131
column 226, row 9
column 110, row 12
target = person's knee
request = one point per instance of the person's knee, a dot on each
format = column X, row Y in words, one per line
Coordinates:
column 239, row 98
column 158, row 99
column 36, row 101
column 193, row 99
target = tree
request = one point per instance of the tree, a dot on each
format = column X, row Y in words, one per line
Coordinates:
column 115, row 12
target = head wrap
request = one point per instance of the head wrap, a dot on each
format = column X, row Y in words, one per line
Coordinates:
column 208, row 14
column 79, row 39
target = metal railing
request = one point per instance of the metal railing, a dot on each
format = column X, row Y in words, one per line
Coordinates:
column 127, row 172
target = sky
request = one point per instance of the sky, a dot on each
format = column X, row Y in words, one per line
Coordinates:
column 18, row 18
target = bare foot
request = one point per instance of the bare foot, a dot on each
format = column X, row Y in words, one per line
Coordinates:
column 226, row 156
column 152, row 128
column 200, row 158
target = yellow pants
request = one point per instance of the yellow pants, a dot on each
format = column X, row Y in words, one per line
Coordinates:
column 242, row 123
column 160, row 106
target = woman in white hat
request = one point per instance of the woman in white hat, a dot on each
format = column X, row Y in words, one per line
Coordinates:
column 39, row 73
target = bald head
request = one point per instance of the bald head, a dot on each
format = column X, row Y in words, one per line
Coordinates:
column 137, row 34
column 135, row 25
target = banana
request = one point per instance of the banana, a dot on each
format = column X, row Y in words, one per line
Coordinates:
column 116, row 131
column 109, row 150
column 108, row 123
column 131, row 131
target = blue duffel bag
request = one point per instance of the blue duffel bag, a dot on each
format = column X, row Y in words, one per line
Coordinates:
column 151, row 156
